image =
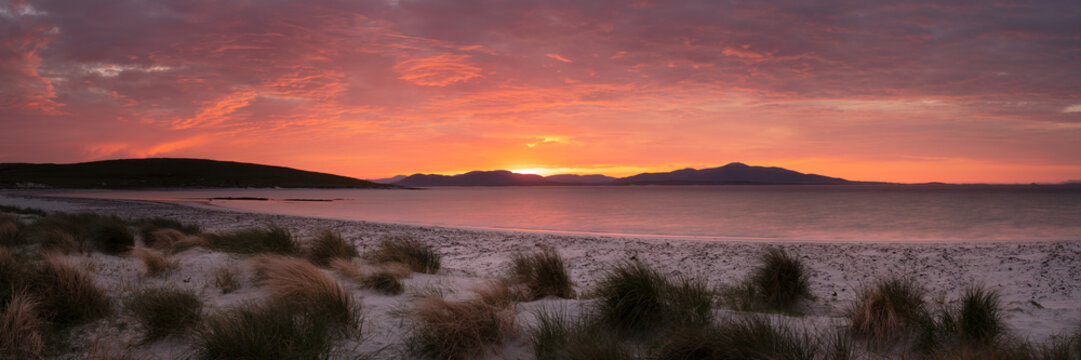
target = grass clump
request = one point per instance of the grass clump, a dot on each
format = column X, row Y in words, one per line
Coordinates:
column 226, row 279
column 263, row 331
column 156, row 262
column 543, row 274
column 753, row 337
column 9, row 230
column 165, row 311
column 975, row 324
column 147, row 227
column 329, row 245
column 22, row 210
column 383, row 282
column 889, row 311
column 21, row 328
column 174, row 241
column 107, row 234
column 779, row 282
column 271, row 239
column 559, row 335
column 67, row 294
column 348, row 269
column 461, row 329
column 634, row 297
column 406, row 250
column 297, row 283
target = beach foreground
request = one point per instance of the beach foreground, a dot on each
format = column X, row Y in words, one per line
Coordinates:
column 1039, row 282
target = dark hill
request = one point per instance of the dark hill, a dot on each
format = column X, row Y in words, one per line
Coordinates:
column 169, row 173
column 734, row 173
column 474, row 178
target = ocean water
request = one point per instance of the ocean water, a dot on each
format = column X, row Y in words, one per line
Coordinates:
column 798, row 213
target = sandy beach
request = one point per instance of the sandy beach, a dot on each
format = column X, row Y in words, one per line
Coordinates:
column 1039, row 282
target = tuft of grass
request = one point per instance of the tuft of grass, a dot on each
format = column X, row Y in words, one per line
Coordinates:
column 21, row 329
column 348, row 269
column 752, row 337
column 147, row 226
column 383, row 282
column 9, row 230
column 264, row 331
column 543, row 274
column 225, row 279
column 57, row 241
column 559, row 335
column 22, row 210
column 329, row 245
column 156, row 262
column 406, row 250
column 634, row 297
column 779, row 282
column 165, row 311
column 109, row 234
column 296, row 282
column 67, row 294
column 889, row 311
column 104, row 233
column 173, row 241
column 980, row 317
column 460, row 329
column 631, row 296
column 271, row 239
column 975, row 324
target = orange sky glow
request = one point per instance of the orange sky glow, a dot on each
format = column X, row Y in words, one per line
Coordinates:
column 906, row 92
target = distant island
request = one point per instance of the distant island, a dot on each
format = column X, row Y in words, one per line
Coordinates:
column 731, row 174
column 169, row 173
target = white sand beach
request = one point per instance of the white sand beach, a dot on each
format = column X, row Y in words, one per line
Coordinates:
column 1039, row 282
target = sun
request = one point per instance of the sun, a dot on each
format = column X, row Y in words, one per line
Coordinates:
column 535, row 171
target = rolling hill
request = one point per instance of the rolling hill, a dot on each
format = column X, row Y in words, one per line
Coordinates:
column 169, row 173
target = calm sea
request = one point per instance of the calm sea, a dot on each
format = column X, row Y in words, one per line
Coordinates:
column 832, row 213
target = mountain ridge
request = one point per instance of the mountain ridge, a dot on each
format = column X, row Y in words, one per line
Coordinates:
column 169, row 173
column 735, row 173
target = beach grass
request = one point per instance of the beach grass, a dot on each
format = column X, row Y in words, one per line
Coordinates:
column 22, row 330
column 165, row 311
column 464, row 329
column 419, row 256
column 148, row 225
column 777, row 283
column 383, row 282
column 9, row 230
column 888, row 311
column 67, row 295
column 329, row 245
column 269, row 239
column 751, row 337
column 226, row 279
column 634, row 297
column 263, row 331
column 543, row 274
column 299, row 284
column 156, row 263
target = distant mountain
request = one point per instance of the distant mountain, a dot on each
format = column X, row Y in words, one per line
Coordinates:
column 169, row 173
column 474, row 178
column 389, row 180
column 574, row 179
column 734, row 173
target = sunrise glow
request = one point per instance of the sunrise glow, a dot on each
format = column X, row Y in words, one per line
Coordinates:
column 905, row 92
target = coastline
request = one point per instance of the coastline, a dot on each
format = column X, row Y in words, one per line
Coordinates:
column 1040, row 282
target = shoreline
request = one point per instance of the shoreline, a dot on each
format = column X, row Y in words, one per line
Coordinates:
column 207, row 204
column 1040, row 282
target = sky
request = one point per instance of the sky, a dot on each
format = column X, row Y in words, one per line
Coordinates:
column 914, row 91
